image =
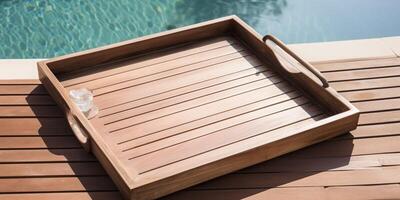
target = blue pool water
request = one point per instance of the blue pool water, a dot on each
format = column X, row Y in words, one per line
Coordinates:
column 48, row 28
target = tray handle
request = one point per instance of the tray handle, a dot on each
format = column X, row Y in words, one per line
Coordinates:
column 316, row 73
column 80, row 133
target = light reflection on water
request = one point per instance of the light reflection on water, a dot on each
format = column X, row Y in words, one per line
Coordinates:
column 48, row 28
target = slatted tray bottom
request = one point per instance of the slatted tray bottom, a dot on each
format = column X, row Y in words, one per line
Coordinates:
column 175, row 106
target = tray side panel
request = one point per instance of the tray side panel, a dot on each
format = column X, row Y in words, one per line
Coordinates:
column 329, row 98
column 141, row 45
column 58, row 98
column 110, row 169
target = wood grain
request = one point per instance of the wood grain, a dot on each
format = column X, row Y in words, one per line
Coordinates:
column 24, row 100
column 31, row 111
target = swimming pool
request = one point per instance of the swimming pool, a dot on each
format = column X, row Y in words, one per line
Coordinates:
column 48, row 28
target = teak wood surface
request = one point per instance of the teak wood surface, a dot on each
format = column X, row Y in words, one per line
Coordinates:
column 185, row 106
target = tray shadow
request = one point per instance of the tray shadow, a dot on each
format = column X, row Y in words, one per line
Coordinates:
column 91, row 175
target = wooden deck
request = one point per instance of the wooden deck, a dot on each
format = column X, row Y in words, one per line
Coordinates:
column 41, row 159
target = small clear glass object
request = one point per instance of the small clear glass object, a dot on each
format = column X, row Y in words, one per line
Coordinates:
column 83, row 98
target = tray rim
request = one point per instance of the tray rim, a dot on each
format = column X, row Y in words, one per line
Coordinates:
column 58, row 92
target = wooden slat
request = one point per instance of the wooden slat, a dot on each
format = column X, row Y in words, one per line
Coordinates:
column 51, row 169
column 31, row 111
column 361, row 64
column 366, row 84
column 33, row 126
column 376, row 130
column 216, row 120
column 44, row 155
column 189, row 90
column 378, row 105
column 163, row 140
column 379, row 117
column 39, row 142
column 196, row 132
column 146, row 60
column 293, row 164
column 361, row 146
column 220, row 138
column 187, row 98
column 387, row 191
column 117, row 113
column 175, row 74
column 383, row 175
column 374, row 94
column 298, row 193
column 24, row 100
column 362, row 74
column 164, row 69
column 204, row 106
column 348, row 192
column 22, row 89
column 20, row 82
column 229, row 150
column 56, row 184
column 115, row 195
column 169, row 83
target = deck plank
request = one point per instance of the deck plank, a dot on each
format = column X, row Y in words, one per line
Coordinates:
column 162, row 56
column 24, row 100
column 22, row 89
column 51, row 169
column 318, row 164
column 389, row 191
column 378, row 105
column 31, row 111
column 44, row 155
column 38, row 142
column 63, row 196
column 58, row 184
column 162, row 70
column 360, row 64
column 362, row 74
column 380, row 117
column 376, row 130
column 382, row 175
column 374, row 94
column 365, row 84
column 23, row 126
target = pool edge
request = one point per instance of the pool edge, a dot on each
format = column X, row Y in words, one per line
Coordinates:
column 322, row 52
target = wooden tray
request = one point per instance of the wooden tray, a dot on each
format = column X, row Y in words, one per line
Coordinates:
column 184, row 106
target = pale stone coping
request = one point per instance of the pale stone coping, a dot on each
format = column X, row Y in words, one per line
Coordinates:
column 393, row 43
column 18, row 69
column 349, row 50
